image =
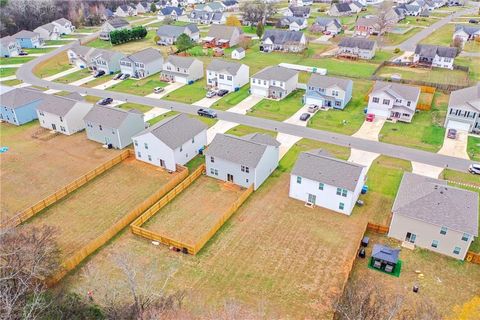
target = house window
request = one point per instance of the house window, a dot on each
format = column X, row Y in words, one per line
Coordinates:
column 193, row 140
column 465, row 237
column 299, row 180
column 135, row 142
column 100, row 127
column 435, row 244
column 443, row 230
column 339, row 191
column 212, row 171
column 344, row 192
column 222, row 76
column 212, row 159
column 149, row 158
column 409, row 103
column 321, row 186
column 139, row 154
column 242, row 168
column 146, row 145
column 229, row 78
column 335, row 93
column 341, row 205
column 386, row 101
column 181, row 149
column 62, row 129
column 338, row 103
column 216, row 172
column 457, row 250
column 376, row 100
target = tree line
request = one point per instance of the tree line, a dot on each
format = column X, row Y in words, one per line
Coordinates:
column 126, row 35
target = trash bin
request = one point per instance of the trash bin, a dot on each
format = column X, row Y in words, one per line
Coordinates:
column 365, row 241
column 361, row 253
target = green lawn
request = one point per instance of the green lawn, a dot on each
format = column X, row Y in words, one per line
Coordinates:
column 189, row 93
column 77, row 75
column 417, row 21
column 87, row 29
column 351, row 118
column 98, row 81
column 131, row 105
column 195, row 162
column 15, row 60
column 473, row 148
column 128, row 47
column 56, row 42
column 242, row 130
column 39, row 50
column 11, row 83
column 140, row 87
column 208, row 121
column 52, row 66
column 435, row 75
column 232, row 99
column 393, row 39
column 278, row 110
column 426, row 130
column 6, row 72
column 442, row 36
column 474, row 66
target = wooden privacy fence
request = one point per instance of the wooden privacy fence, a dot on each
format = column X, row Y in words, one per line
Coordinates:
column 64, row 191
column 75, row 259
column 377, row 228
column 473, row 257
column 427, row 89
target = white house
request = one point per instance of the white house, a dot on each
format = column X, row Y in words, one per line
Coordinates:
column 142, row 64
column 63, row 114
column 433, row 215
column 243, row 160
column 464, row 110
column 174, row 140
column 9, row 47
column 172, row 12
column 125, row 11
column 274, row 82
column 182, row 69
column 393, row 100
column 435, row 56
column 48, row 31
column 143, row 7
column 227, row 75
column 113, row 24
column 283, row 40
column 327, row 182
column 293, row 23
column 64, row 26
column 466, row 32
column 238, row 53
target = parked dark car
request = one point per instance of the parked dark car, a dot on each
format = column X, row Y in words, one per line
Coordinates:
column 305, row 116
column 452, row 134
column 125, row 76
column 118, row 76
column 99, row 74
column 222, row 92
column 474, row 168
column 475, row 21
column 207, row 113
column 23, row 53
column 105, row 101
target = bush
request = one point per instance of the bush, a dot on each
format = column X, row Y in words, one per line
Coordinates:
column 122, row 36
column 397, row 50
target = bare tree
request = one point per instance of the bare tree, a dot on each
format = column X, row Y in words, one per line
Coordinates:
column 255, row 12
column 26, row 259
column 385, row 17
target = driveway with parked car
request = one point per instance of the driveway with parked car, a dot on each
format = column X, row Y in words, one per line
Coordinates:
column 455, row 144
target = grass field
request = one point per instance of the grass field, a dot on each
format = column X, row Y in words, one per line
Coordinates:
column 473, row 148
column 446, row 282
column 383, row 181
column 52, row 66
column 189, row 93
column 351, row 118
column 72, row 77
column 474, row 66
column 278, row 110
column 140, row 87
column 56, row 42
column 15, row 60
column 232, row 99
column 435, row 75
column 6, row 72
column 274, row 254
column 98, row 81
column 392, row 39
column 47, row 165
column 38, row 50
column 86, row 213
column 12, row 82
column 242, row 130
column 131, row 105
column 195, row 211
column 426, row 130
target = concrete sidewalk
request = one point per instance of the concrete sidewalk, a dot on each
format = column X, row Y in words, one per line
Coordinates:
column 8, row 78
column 155, row 112
column 17, row 65
column 206, row 102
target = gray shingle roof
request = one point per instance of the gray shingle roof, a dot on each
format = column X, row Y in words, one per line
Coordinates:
column 282, row 36
column 222, row 32
column 56, row 105
column 75, row 96
column 7, row 40
column 262, row 138
column 317, row 166
column 117, row 22
column 181, row 62
column 360, row 43
column 50, row 27
column 175, row 131
column 146, row 55
column 175, row 31
column 220, row 65
column 299, row 11
column 467, row 98
column 25, row 34
column 239, row 150
column 433, row 201
column 62, row 21
column 19, row 97
column 275, row 73
column 427, row 50
column 342, row 7
column 107, row 116
column 168, row 11
column 320, row 81
column 470, row 30
column 285, row 21
column 325, row 22
column 402, row 91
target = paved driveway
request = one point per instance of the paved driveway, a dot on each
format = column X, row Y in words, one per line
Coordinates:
column 295, row 119
column 78, row 83
column 221, row 126
column 426, row 170
column 107, row 84
column 166, row 90
column 455, row 147
column 364, row 158
column 370, row 130
column 246, row 104
column 155, row 112
column 206, row 102
column 286, row 142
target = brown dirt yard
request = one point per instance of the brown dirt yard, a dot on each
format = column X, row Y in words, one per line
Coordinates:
column 32, row 169
column 89, row 211
column 446, row 283
column 195, row 210
column 273, row 256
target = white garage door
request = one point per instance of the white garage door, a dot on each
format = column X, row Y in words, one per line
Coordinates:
column 460, row 126
column 379, row 112
column 259, row 92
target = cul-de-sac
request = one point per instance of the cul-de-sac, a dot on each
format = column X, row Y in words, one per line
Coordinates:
column 240, row 159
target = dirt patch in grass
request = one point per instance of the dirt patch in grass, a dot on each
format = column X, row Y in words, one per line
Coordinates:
column 32, row 169
column 194, row 211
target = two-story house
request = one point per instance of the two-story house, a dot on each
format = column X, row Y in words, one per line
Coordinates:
column 435, row 56
column 321, row 180
column 466, row 32
column 168, row 34
column 324, row 24
column 182, row 69
column 65, row 26
column 431, row 214
column 173, row 12
column 142, row 64
column 63, row 114
column 48, row 31
column 19, row 105
column 293, row 23
column 214, row 6
column 243, row 160
column 9, row 47
column 283, row 40
column 125, row 10
column 464, row 110
column 174, row 140
column 107, row 61
column 328, row 92
column 340, row 10
column 207, row 17
column 393, row 100
column 113, row 127
column 113, row 24
column 300, row 3
column 28, row 39
column 357, row 48
column 143, row 7
column 274, row 82
column 227, row 75
column 366, row 26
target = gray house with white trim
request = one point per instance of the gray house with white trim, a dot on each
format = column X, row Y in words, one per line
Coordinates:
column 464, row 110
column 142, row 64
column 182, row 69
column 357, row 48
column 168, row 34
column 328, row 92
column 283, row 40
column 243, row 160
column 274, row 82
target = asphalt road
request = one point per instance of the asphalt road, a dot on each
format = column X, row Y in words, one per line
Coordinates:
column 25, row 74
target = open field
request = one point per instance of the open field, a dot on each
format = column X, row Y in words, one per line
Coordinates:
column 208, row 121
column 140, row 87
column 435, row 75
column 392, row 39
column 383, row 181
column 195, row 211
column 189, row 93
column 232, row 99
column 86, row 213
column 426, row 130
column 45, row 166
column 6, row 72
column 473, row 63
column 52, row 66
column 274, row 254
column 56, row 42
column 351, row 118
column 417, row 21
column 446, row 282
column 443, row 37
column 278, row 110
column 473, row 148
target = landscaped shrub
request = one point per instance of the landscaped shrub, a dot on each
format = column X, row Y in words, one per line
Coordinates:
column 122, row 36
column 397, row 50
